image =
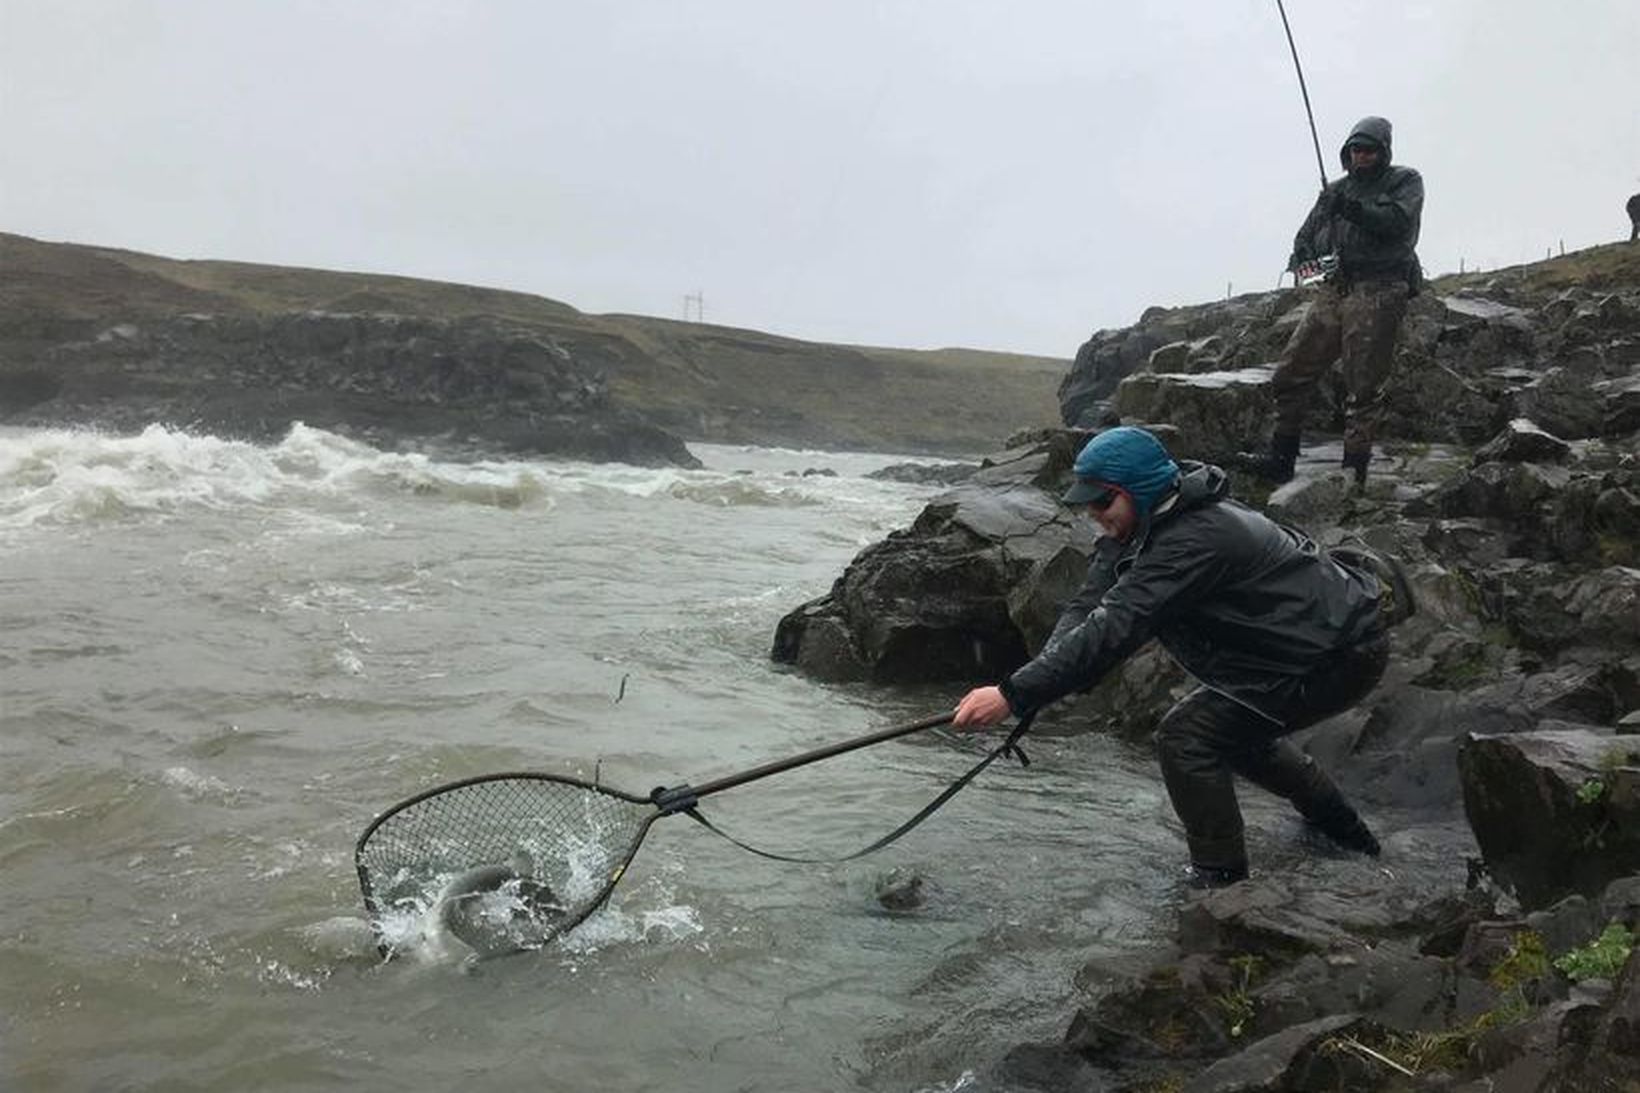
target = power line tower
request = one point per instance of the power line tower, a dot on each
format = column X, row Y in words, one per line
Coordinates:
column 694, row 305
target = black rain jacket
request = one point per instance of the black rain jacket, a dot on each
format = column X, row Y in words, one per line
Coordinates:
column 1245, row 605
column 1380, row 245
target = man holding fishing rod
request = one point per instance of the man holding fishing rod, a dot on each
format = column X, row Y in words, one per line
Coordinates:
column 1358, row 241
column 1278, row 633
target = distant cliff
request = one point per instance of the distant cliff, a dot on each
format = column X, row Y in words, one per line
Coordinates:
column 118, row 339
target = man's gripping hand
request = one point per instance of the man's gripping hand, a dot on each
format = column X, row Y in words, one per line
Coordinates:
column 980, row 707
column 1348, row 207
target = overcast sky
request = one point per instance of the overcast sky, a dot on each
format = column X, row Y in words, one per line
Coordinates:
column 1005, row 175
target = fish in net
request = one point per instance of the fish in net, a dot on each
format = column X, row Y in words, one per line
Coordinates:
column 505, row 862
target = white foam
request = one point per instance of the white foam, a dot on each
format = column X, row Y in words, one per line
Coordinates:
column 76, row 476
column 344, row 937
column 199, row 786
column 69, row 477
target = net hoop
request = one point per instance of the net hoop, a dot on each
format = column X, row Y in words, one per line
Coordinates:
column 563, row 837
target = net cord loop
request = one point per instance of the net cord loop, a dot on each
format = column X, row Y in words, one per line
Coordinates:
column 1009, row 747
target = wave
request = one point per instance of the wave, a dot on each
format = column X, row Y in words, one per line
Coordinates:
column 78, row 477
column 69, row 477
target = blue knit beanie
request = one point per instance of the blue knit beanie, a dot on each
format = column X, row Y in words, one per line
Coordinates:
column 1128, row 457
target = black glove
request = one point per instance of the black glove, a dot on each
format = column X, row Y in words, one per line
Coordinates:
column 1347, row 207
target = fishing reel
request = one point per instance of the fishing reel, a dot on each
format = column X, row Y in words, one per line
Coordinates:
column 1319, row 271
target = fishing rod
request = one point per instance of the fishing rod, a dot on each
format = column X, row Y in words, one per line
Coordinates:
column 1327, row 264
column 1305, row 91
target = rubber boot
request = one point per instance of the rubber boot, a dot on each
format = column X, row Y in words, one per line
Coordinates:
column 1275, row 465
column 1202, row 877
column 1288, row 772
column 1349, row 831
column 1357, row 462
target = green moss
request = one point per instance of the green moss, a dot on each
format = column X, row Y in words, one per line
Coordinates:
column 1468, row 666
column 1449, row 1049
column 1614, row 549
column 1601, row 958
column 1469, row 590
column 1237, row 1004
column 1526, row 961
column 1591, row 791
column 1616, row 756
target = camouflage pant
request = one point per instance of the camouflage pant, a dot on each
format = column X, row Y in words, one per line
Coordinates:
column 1357, row 328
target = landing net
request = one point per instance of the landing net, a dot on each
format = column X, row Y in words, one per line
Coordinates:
column 505, row 861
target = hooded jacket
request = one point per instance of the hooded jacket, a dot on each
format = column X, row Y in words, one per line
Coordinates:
column 1244, row 604
column 1376, row 238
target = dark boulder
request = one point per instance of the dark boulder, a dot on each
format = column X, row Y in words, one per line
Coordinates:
column 1523, row 442
column 965, row 593
column 926, row 474
column 1555, row 812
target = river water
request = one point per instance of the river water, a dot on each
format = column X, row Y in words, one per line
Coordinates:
column 218, row 661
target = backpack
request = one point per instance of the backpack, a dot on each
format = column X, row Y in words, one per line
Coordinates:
column 1396, row 602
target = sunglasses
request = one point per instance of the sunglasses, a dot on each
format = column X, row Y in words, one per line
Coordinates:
column 1364, row 149
column 1102, row 500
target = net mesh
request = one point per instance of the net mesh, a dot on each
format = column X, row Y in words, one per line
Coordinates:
column 504, row 862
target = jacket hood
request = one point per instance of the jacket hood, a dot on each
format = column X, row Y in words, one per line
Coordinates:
column 1198, row 484
column 1376, row 129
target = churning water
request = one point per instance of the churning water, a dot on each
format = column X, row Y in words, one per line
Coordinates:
column 218, row 661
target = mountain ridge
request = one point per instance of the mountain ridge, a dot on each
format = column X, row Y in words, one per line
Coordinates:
column 697, row 381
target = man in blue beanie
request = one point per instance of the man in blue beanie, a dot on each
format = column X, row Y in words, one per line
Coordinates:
column 1278, row 634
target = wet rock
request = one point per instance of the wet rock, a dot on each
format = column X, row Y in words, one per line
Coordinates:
column 901, row 889
column 1051, row 1068
column 926, row 474
column 1620, row 405
column 1294, row 1058
column 961, row 595
column 1487, row 311
column 1248, row 329
column 1620, row 902
column 1564, row 403
column 1582, row 795
column 1172, row 357
column 1216, row 414
column 1263, row 917
column 1568, row 924
column 1524, row 1055
column 1523, row 442
column 1169, row 1012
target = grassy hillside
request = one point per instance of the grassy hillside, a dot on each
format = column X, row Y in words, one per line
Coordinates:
column 1608, row 266
column 701, row 381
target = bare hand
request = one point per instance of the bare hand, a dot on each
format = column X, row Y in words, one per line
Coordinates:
column 980, row 707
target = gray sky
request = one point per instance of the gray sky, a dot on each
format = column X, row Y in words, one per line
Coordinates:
column 1005, row 175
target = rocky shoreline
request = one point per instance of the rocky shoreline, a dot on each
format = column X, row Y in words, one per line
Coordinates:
column 1509, row 722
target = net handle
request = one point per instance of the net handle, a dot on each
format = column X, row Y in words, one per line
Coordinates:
column 683, row 797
